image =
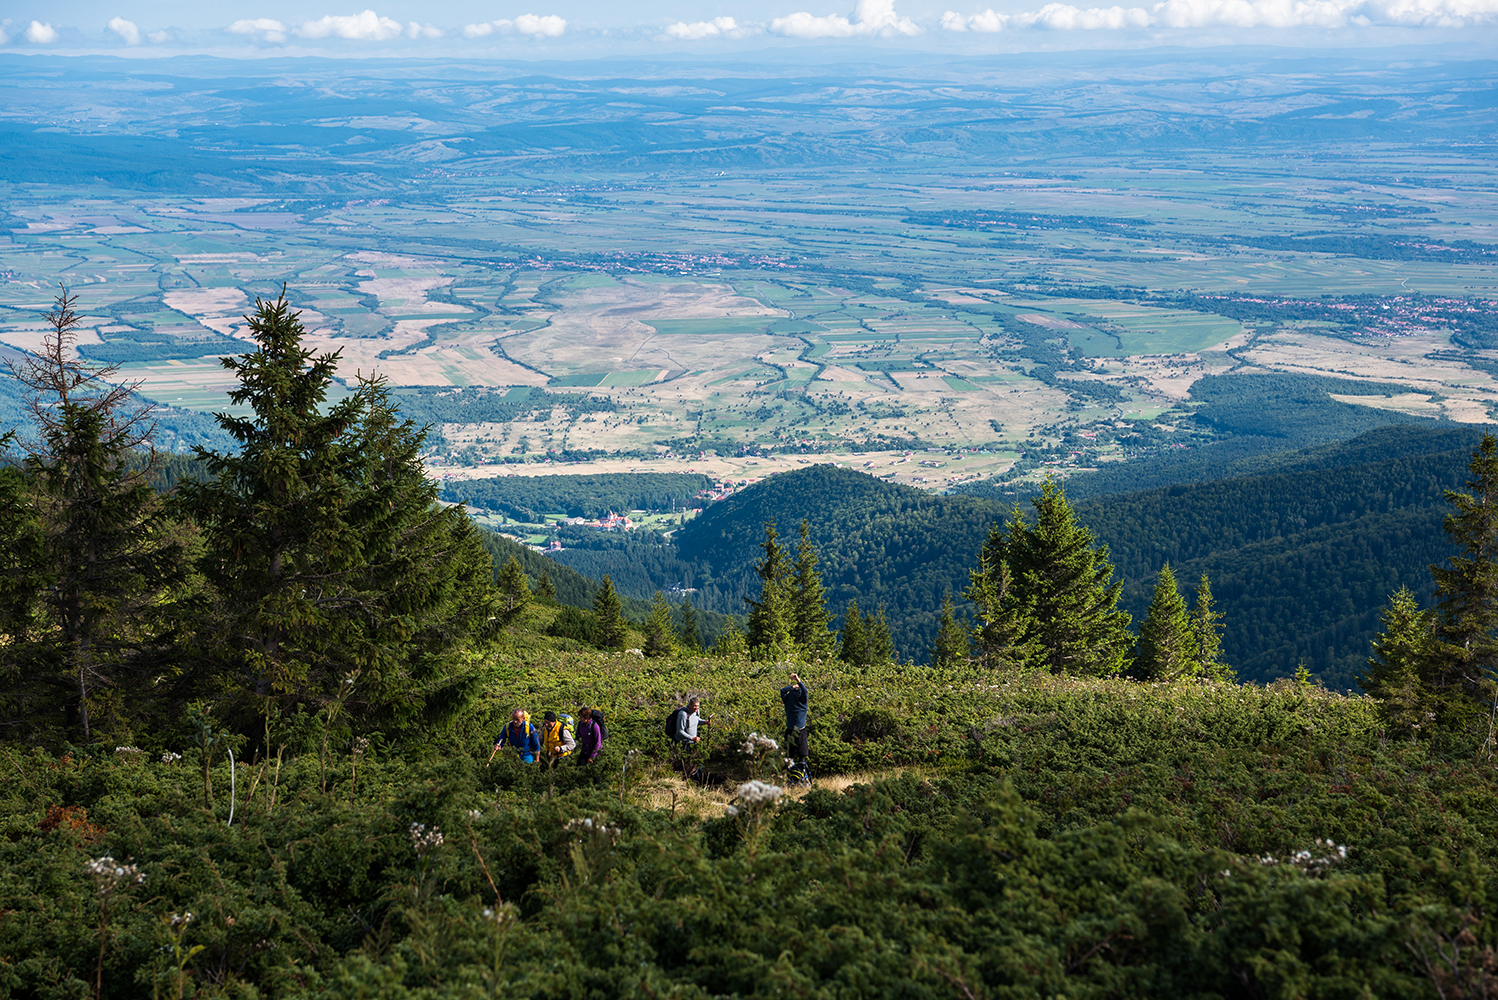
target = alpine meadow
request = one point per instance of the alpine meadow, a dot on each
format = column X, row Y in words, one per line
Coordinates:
column 973, row 505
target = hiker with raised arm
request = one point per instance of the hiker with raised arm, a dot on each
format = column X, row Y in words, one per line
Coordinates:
column 795, row 697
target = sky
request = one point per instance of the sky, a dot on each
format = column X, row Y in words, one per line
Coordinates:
column 590, row 28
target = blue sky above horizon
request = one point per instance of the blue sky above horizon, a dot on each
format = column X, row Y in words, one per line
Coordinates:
column 591, row 28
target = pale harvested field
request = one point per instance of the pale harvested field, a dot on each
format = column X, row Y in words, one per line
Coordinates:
column 606, row 328
column 1392, row 359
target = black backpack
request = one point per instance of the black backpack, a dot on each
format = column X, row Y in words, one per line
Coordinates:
column 672, row 724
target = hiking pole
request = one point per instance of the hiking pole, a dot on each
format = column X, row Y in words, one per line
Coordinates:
column 491, row 755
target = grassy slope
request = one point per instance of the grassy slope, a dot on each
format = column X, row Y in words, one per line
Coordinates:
column 1038, row 819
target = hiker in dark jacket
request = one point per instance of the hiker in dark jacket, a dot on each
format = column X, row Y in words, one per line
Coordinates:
column 589, row 737
column 794, row 696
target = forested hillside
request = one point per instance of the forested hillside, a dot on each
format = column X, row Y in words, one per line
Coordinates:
column 1301, row 559
column 528, row 497
column 880, row 544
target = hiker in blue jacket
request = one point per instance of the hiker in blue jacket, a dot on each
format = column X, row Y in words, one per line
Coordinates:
column 520, row 734
column 794, row 696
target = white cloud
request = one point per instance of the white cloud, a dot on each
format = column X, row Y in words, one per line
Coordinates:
column 869, row 17
column 1065, row 17
column 265, row 28
column 127, row 30
column 158, row 37
column 41, row 33
column 717, row 27
column 986, row 21
column 548, row 25
column 363, row 27
column 1235, row 14
column 414, row 30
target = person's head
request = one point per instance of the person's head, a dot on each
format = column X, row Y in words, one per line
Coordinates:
column 551, row 716
column 518, row 718
column 693, row 705
column 584, row 714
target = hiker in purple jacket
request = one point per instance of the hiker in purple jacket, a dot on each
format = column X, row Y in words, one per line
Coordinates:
column 589, row 737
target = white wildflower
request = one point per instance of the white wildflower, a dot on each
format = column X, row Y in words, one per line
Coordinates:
column 424, row 840
column 596, row 827
column 127, row 749
column 475, row 814
column 757, row 744
column 110, row 874
column 754, row 793
column 731, row 810
column 181, row 919
column 170, row 758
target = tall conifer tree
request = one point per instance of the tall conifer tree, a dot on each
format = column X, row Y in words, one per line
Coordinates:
column 951, row 638
column 809, row 602
column 879, row 645
column 772, row 617
column 688, row 626
column 339, row 574
column 1404, row 655
column 608, row 612
column 1003, row 630
column 91, row 558
column 852, row 643
column 1167, row 649
column 1467, row 587
column 514, row 590
column 660, row 631
column 1206, row 634
column 1049, row 590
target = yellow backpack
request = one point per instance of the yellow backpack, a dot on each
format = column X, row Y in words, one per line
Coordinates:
column 552, row 734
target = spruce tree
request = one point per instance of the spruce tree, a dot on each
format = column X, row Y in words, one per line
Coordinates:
column 1058, row 600
column 608, row 612
column 852, row 645
column 809, row 602
column 772, row 617
column 92, row 561
column 1206, row 635
column 339, row 574
column 546, row 591
column 879, row 646
column 951, row 646
column 1404, row 654
column 514, row 590
column 1467, row 587
column 113, row 559
column 1166, row 646
column 688, row 626
column 1003, row 631
column 660, row 632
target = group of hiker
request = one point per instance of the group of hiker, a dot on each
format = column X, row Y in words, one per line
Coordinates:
column 560, row 736
column 557, row 737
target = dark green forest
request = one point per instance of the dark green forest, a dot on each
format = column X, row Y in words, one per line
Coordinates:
column 527, row 498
